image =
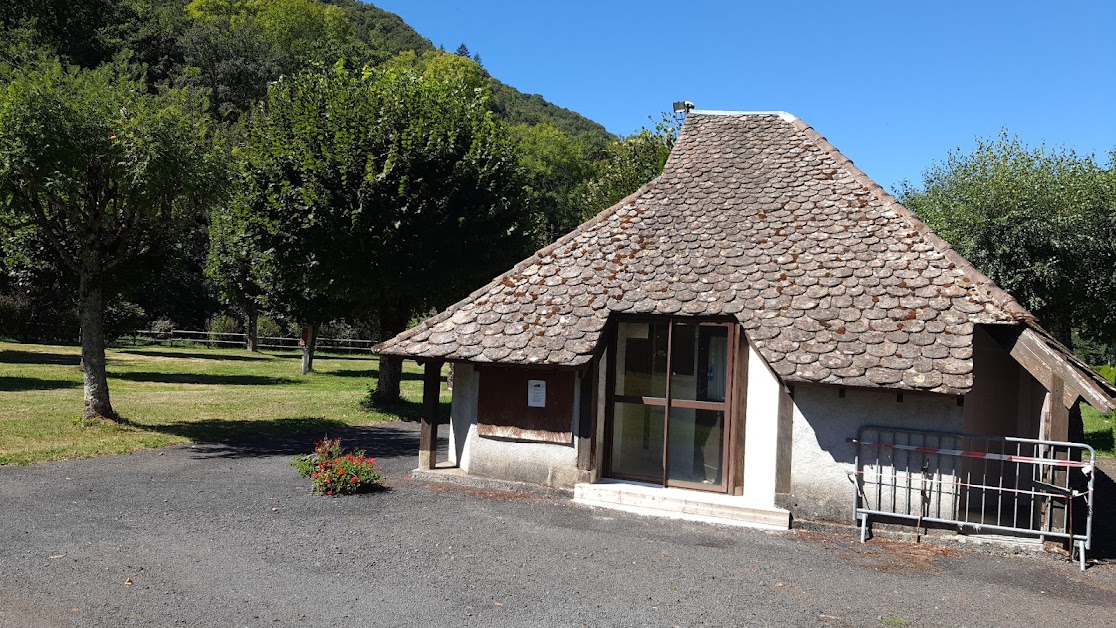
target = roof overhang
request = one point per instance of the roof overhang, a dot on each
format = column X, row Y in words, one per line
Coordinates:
column 1046, row 359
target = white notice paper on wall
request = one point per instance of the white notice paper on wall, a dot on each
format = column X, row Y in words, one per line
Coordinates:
column 536, row 393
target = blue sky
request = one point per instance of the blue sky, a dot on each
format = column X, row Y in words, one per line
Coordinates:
column 894, row 85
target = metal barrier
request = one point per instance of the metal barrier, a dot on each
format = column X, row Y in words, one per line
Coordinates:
column 999, row 484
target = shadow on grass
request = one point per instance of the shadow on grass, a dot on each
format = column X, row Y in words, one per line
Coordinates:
column 1101, row 440
column 327, row 356
column 202, row 378
column 375, row 373
column 284, row 437
column 409, row 411
column 14, row 384
column 247, row 357
column 8, row 356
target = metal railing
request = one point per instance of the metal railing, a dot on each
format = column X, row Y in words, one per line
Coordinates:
column 997, row 484
column 223, row 339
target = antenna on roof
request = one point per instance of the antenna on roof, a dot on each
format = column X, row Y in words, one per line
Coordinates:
column 683, row 107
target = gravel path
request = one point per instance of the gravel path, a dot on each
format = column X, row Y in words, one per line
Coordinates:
column 228, row 536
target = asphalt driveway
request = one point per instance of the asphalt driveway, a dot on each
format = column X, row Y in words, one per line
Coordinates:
column 224, row 535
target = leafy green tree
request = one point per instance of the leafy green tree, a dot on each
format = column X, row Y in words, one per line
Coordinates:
column 100, row 168
column 227, row 53
column 232, row 265
column 1040, row 222
column 557, row 169
column 630, row 163
column 75, row 31
column 391, row 192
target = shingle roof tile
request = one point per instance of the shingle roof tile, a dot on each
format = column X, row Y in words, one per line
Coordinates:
column 758, row 217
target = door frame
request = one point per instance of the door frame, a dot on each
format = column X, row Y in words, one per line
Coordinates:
column 731, row 447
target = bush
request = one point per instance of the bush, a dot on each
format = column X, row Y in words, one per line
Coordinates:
column 334, row 472
column 161, row 325
column 122, row 318
column 337, row 330
column 267, row 327
column 294, row 329
column 14, row 310
column 221, row 324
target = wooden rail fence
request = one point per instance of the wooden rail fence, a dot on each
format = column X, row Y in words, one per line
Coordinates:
column 224, row 339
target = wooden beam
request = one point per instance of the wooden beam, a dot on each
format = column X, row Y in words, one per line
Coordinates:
column 784, row 441
column 1059, row 414
column 431, row 393
column 601, row 411
column 1045, row 364
column 586, row 419
column 738, row 412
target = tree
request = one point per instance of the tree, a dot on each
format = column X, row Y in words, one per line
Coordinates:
column 231, row 267
column 100, row 168
column 74, row 31
column 390, row 192
column 630, row 163
column 227, row 52
column 557, row 170
column 1039, row 222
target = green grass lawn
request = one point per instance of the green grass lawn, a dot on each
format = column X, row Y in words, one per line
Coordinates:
column 168, row 395
column 1098, row 431
column 1099, row 427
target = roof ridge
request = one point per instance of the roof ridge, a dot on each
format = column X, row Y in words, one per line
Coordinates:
column 537, row 256
column 787, row 116
column 997, row 294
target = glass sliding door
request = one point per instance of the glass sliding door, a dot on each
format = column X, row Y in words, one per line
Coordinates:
column 637, row 443
column 669, row 403
column 639, row 406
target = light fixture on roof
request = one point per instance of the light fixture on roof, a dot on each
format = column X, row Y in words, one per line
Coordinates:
column 683, row 106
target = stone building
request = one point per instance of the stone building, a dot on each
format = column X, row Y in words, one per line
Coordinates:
column 711, row 343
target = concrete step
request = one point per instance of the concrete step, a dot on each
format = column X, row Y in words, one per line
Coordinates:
column 648, row 499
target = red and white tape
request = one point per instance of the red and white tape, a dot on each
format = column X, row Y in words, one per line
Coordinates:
column 1086, row 467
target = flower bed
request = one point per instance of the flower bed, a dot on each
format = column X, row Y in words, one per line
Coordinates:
column 333, row 472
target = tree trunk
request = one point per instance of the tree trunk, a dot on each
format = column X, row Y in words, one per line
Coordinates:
column 97, row 405
column 310, row 341
column 253, row 325
column 391, row 368
column 391, row 372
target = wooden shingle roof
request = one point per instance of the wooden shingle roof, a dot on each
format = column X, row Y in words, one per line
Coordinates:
column 758, row 217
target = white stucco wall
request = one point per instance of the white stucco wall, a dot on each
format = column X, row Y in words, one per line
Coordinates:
column 761, row 438
column 537, row 463
column 463, row 413
column 822, row 459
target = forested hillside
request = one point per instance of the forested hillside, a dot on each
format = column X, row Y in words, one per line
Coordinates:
column 235, row 48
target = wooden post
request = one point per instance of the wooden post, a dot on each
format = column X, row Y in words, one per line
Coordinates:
column 601, row 411
column 586, row 421
column 1059, row 413
column 431, row 392
column 737, row 415
column 784, row 441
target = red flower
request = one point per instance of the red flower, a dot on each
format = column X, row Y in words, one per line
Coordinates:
column 354, row 479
